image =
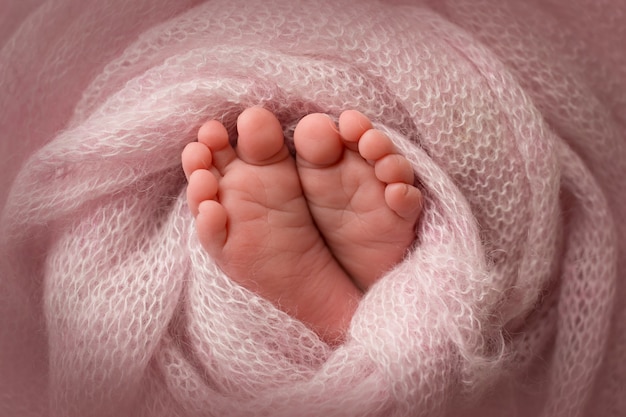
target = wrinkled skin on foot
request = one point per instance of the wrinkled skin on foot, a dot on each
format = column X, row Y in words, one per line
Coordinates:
column 308, row 234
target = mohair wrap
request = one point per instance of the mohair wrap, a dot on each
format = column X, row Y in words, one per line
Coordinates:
column 512, row 113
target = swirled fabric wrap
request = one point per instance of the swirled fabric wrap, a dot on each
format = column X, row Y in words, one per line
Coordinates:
column 512, row 113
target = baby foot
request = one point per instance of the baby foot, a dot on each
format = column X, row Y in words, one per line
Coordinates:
column 360, row 192
column 253, row 219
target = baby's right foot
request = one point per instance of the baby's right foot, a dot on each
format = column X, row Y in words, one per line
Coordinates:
column 360, row 192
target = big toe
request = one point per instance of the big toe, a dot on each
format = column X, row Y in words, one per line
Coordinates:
column 317, row 141
column 260, row 140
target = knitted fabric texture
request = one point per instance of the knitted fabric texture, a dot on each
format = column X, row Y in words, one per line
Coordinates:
column 512, row 113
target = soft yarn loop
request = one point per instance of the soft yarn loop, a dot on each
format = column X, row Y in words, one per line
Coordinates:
column 512, row 113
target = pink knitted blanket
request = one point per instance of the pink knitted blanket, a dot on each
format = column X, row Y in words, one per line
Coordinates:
column 513, row 114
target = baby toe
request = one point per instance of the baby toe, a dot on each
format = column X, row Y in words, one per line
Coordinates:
column 394, row 168
column 405, row 200
column 202, row 186
column 317, row 141
column 352, row 125
column 214, row 136
column 195, row 156
column 261, row 140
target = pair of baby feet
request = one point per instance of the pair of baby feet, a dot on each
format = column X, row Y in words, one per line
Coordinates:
column 310, row 233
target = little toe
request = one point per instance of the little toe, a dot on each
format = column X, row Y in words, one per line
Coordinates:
column 404, row 199
column 317, row 141
column 214, row 136
column 261, row 140
column 202, row 186
column 195, row 156
column 352, row 125
column 211, row 226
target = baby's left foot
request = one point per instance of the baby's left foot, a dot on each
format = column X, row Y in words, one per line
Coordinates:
column 360, row 192
column 253, row 220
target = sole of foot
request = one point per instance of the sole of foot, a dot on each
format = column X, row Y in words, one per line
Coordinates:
column 360, row 191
